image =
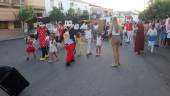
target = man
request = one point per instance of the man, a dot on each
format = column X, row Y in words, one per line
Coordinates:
column 129, row 30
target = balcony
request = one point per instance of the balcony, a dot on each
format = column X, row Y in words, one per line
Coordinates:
column 16, row 3
column 4, row 2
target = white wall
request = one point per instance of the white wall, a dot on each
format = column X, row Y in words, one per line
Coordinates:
column 66, row 5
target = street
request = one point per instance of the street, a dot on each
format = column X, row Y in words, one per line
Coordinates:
column 138, row 75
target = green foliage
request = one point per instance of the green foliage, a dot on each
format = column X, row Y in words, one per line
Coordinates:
column 157, row 10
column 26, row 13
column 71, row 13
column 56, row 14
column 85, row 15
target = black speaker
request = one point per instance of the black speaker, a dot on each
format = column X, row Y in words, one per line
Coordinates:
column 11, row 81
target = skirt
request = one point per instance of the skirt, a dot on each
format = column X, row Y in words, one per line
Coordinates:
column 30, row 49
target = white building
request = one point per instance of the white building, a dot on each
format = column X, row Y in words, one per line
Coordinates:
column 65, row 5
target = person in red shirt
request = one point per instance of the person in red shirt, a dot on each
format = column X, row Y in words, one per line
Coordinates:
column 43, row 43
column 129, row 30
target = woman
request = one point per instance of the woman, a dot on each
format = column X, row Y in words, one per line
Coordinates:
column 115, row 36
column 168, row 31
column 139, row 39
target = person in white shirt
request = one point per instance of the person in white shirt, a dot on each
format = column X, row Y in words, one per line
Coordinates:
column 115, row 38
column 95, row 30
column 83, row 27
column 52, row 48
column 98, row 44
column 56, row 32
column 88, row 37
column 152, row 38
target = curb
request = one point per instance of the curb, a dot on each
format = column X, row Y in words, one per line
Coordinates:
column 9, row 39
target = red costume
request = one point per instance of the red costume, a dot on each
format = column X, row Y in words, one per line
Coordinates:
column 69, row 45
column 129, row 26
column 42, row 31
column 70, row 53
column 30, row 48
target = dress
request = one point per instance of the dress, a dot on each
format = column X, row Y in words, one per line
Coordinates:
column 52, row 46
column 139, row 39
column 42, row 31
column 99, row 41
column 30, row 48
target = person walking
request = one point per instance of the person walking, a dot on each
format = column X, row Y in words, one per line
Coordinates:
column 139, row 38
column 52, row 48
column 129, row 30
column 98, row 44
column 42, row 32
column 115, row 36
column 168, row 31
column 69, row 46
column 88, row 37
column 152, row 38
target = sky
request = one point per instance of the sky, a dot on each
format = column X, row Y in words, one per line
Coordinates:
column 121, row 5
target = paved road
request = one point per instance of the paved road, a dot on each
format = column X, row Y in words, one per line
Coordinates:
column 138, row 75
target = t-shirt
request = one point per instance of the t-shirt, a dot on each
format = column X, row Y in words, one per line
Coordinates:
column 88, row 34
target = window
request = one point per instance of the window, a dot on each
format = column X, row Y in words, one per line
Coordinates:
column 3, row 25
column 39, row 14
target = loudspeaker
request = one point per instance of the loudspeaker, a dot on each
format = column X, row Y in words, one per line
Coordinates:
column 11, row 81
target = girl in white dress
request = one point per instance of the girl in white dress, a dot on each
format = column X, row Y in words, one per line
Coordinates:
column 98, row 44
column 52, row 47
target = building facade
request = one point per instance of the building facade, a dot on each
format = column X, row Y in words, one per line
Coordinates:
column 9, row 10
column 78, row 5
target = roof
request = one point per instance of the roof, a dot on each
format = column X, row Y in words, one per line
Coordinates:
column 81, row 1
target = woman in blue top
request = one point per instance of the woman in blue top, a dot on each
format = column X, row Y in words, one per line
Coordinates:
column 152, row 38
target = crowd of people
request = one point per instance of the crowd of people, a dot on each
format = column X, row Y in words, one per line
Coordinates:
column 71, row 37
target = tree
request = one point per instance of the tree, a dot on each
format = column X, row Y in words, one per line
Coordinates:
column 71, row 13
column 85, row 15
column 56, row 14
column 157, row 10
column 26, row 14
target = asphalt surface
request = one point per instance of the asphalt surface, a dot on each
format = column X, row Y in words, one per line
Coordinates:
column 138, row 75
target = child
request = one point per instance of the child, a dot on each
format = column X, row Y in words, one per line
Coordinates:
column 30, row 48
column 98, row 44
column 52, row 47
column 88, row 37
column 162, row 36
column 79, row 44
column 152, row 37
column 69, row 45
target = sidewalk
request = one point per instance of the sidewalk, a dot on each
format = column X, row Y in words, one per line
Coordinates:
column 6, row 34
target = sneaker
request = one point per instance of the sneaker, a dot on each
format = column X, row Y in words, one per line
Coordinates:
column 46, row 56
column 115, row 65
column 42, row 59
column 27, row 59
column 67, row 64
